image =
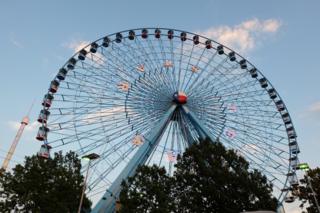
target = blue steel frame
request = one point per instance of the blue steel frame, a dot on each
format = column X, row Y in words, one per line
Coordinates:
column 107, row 203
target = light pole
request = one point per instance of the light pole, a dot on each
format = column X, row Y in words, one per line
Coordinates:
column 90, row 157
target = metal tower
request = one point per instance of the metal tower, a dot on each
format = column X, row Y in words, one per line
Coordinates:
column 24, row 123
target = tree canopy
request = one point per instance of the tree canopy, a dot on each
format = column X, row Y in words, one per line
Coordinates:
column 305, row 193
column 44, row 185
column 208, row 178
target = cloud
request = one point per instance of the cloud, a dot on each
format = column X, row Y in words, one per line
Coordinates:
column 314, row 108
column 31, row 127
column 243, row 37
column 15, row 42
column 77, row 45
column 103, row 114
column 311, row 112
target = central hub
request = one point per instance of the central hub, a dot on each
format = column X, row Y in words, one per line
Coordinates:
column 180, row 97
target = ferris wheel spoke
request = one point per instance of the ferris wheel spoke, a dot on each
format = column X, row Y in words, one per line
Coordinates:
column 254, row 158
column 146, row 55
column 67, row 139
column 188, row 57
column 101, row 84
column 258, row 139
column 156, row 67
column 224, row 87
column 196, row 64
column 275, row 138
column 167, row 65
column 164, row 79
column 257, row 121
column 173, row 59
column 213, row 73
column 195, row 82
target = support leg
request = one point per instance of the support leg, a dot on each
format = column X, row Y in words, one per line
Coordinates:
column 108, row 201
column 201, row 129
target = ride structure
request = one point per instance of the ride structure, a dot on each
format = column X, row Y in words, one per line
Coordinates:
column 23, row 124
column 143, row 96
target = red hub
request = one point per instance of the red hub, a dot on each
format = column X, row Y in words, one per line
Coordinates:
column 180, row 97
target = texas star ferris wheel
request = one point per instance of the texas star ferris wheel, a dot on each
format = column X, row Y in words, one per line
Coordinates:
column 143, row 96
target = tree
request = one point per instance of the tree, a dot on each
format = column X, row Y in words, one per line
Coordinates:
column 147, row 191
column 208, row 178
column 305, row 193
column 44, row 185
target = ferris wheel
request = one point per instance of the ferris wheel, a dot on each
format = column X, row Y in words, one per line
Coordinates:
column 143, row 96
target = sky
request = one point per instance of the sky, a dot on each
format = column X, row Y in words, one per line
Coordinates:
column 281, row 38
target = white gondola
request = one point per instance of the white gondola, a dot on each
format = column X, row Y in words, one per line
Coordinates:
column 170, row 34
column 43, row 116
column 71, row 63
column 263, row 82
column 94, row 47
column 272, row 93
column 253, row 72
column 294, row 148
column 82, row 54
column 280, row 105
column 119, row 37
column 183, row 36
column 232, row 56
column 144, row 33
column 47, row 100
column 131, row 35
column 54, row 86
column 105, row 42
column 220, row 49
column 208, row 44
column 42, row 133
column 157, row 33
column 62, row 74
column 196, row 40
column 44, row 151
column 243, row 64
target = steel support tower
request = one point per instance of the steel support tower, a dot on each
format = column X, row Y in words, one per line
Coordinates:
column 24, row 123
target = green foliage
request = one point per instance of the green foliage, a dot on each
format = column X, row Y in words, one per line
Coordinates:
column 147, row 191
column 44, row 185
column 208, row 178
column 305, row 193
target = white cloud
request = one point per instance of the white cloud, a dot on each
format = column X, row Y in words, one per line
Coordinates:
column 31, row 127
column 314, row 108
column 103, row 113
column 243, row 37
column 14, row 41
column 311, row 112
column 77, row 45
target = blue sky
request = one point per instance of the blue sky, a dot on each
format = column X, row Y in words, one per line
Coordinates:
column 37, row 37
